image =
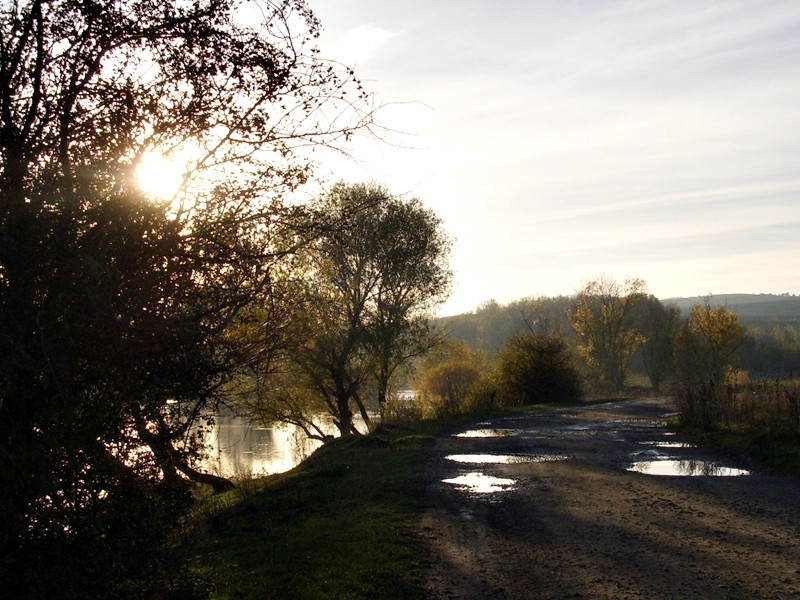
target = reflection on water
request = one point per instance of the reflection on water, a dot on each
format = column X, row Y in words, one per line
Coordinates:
column 485, row 433
column 684, row 468
column 671, row 444
column 239, row 447
column 480, row 483
column 503, row 458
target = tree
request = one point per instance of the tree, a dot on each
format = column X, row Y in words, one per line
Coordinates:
column 447, row 386
column 449, row 377
column 377, row 268
column 771, row 352
column 659, row 326
column 708, row 344
column 545, row 316
column 706, row 348
column 116, row 305
column 534, row 368
column 604, row 319
column 415, row 278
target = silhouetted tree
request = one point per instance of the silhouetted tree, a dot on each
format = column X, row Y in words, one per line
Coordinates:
column 537, row 368
column 115, row 305
column 372, row 275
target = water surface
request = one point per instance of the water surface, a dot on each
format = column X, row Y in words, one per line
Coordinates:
column 691, row 468
column 506, row 459
column 480, row 483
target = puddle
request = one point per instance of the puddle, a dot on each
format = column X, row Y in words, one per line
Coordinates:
column 480, row 483
column 581, row 427
column 503, row 459
column 486, row 433
column 685, row 468
column 670, row 444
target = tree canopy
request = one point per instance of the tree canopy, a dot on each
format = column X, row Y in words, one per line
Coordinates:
column 116, row 304
column 604, row 319
column 708, row 344
column 371, row 277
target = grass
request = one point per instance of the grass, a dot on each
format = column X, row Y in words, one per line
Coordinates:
column 342, row 525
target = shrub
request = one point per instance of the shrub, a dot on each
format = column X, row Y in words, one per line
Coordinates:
column 537, row 368
column 399, row 409
column 446, row 388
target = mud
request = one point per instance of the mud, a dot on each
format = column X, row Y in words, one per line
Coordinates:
column 585, row 526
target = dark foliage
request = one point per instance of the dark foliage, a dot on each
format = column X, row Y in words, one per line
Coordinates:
column 536, row 369
column 114, row 305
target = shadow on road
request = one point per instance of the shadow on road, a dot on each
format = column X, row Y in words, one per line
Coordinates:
column 566, row 517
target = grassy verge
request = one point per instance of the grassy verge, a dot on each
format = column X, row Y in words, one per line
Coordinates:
column 339, row 526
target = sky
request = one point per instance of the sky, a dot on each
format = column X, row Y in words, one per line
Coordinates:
column 561, row 140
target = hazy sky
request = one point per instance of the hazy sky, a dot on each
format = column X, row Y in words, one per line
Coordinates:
column 564, row 139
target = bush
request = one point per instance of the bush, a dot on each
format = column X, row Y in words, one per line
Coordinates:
column 446, row 388
column 397, row 409
column 482, row 396
column 535, row 369
column 701, row 404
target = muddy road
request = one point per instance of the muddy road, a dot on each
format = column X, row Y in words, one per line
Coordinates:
column 564, row 503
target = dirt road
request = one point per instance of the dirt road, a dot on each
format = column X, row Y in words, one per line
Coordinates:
column 566, row 518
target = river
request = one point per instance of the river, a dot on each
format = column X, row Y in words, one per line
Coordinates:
column 239, row 447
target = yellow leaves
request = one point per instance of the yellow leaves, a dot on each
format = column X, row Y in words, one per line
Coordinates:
column 717, row 324
column 604, row 319
column 708, row 343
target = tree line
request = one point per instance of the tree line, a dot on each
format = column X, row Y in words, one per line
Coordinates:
column 771, row 346
column 609, row 337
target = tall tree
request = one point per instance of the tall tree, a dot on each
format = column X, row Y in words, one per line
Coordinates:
column 411, row 256
column 708, row 344
column 115, row 304
column 604, row 318
column 659, row 325
column 375, row 271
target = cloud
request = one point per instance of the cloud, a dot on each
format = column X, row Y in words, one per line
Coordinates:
column 358, row 44
column 658, row 139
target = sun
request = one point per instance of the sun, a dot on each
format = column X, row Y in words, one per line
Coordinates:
column 160, row 176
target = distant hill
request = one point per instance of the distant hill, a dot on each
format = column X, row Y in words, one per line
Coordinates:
column 749, row 307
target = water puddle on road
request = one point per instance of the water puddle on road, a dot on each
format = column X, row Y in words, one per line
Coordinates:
column 504, row 459
column 670, row 444
column 485, row 433
column 480, row 483
column 692, row 468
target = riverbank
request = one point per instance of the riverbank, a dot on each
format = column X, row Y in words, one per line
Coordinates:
column 340, row 525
